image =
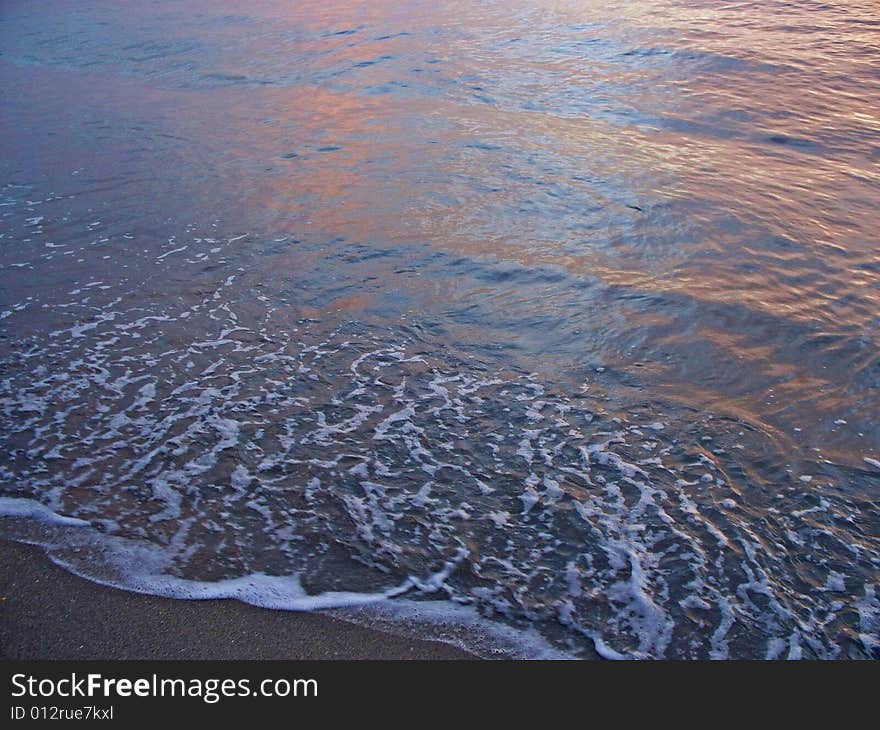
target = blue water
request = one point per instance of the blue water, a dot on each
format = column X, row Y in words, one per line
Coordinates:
column 563, row 315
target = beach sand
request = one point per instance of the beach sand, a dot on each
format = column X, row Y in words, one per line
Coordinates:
column 47, row 613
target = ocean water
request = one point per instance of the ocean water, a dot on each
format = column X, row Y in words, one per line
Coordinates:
column 544, row 328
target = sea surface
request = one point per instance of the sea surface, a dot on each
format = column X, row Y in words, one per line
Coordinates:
column 546, row 328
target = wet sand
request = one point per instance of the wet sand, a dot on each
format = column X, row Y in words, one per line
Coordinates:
column 47, row 613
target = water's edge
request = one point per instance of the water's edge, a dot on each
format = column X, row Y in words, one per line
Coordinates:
column 66, row 542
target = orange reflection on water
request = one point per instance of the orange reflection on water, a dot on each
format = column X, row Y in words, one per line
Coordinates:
column 624, row 169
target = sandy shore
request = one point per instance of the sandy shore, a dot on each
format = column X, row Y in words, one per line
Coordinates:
column 47, row 613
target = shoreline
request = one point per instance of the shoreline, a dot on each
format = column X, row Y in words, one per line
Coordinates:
column 48, row 613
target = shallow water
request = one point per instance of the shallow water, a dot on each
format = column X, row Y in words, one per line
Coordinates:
column 567, row 313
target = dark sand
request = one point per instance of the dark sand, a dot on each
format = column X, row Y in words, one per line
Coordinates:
column 47, row 613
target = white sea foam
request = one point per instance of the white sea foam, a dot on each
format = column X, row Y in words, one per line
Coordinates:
column 31, row 509
column 198, row 438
